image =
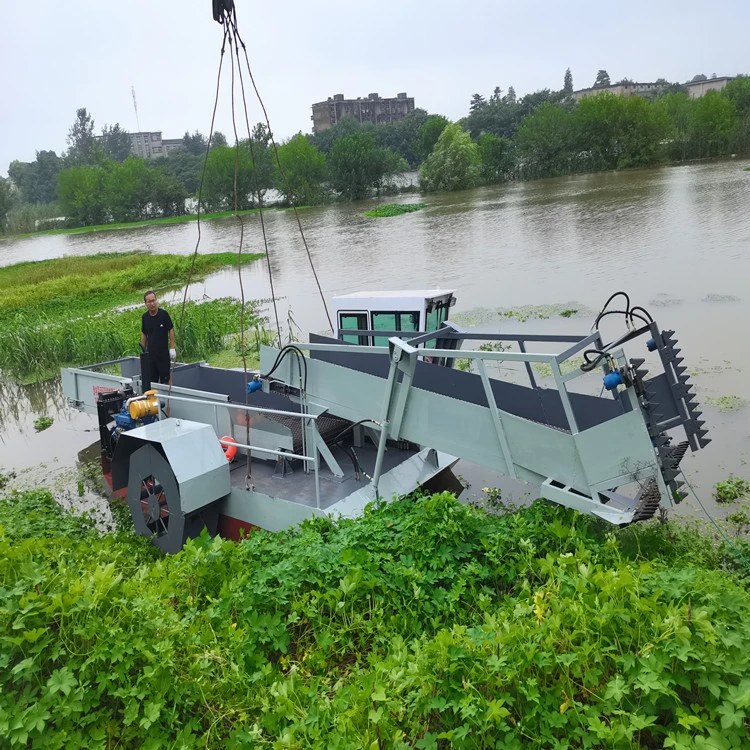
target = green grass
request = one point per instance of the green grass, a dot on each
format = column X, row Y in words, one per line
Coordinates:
column 36, row 347
column 146, row 223
column 74, row 286
column 395, row 209
column 423, row 624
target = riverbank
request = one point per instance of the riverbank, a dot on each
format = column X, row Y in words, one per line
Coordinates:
column 78, row 310
column 147, row 223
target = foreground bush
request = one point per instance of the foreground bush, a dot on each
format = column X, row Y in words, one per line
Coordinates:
column 423, row 624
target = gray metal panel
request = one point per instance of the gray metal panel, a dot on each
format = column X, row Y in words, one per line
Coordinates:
column 264, row 511
column 83, row 386
column 601, row 449
column 193, row 453
column 542, row 405
column 663, row 397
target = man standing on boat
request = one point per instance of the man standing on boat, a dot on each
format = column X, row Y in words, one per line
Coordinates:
column 156, row 330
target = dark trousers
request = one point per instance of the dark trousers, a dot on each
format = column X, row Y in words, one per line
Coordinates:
column 160, row 367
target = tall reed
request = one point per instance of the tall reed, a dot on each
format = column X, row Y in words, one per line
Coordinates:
column 37, row 346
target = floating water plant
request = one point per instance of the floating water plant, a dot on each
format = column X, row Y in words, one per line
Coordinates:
column 395, row 209
column 731, row 489
column 43, row 423
column 726, row 403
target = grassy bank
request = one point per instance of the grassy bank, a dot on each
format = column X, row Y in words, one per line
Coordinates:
column 74, row 286
column 147, row 223
column 35, row 348
column 62, row 312
column 423, row 624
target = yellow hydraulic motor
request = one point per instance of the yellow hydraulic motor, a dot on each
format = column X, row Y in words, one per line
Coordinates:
column 145, row 406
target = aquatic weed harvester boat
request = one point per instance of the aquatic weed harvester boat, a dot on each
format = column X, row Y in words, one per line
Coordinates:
column 379, row 409
column 341, row 421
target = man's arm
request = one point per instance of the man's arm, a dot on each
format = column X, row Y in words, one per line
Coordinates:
column 143, row 341
column 171, row 337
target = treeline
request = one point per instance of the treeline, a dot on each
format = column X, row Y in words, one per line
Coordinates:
column 97, row 179
column 503, row 137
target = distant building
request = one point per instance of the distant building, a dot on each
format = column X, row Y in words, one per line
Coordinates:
column 365, row 109
column 698, row 88
column 151, row 145
column 622, row 89
column 694, row 88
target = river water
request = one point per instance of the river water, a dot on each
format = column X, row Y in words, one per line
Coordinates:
column 677, row 239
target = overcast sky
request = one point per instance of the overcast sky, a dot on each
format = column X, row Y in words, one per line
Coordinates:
column 57, row 56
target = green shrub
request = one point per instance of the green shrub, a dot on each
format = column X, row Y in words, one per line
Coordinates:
column 423, row 624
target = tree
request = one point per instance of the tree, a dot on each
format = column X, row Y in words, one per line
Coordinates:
column 218, row 139
column 738, row 91
column 168, row 194
column 545, row 142
column 357, row 166
column 453, row 163
column 616, row 132
column 36, row 181
column 530, row 102
column 401, row 136
column 305, row 170
column 625, row 82
column 477, row 102
column 194, row 144
column 7, row 201
column 82, row 196
column 324, row 140
column 510, row 97
column 219, row 182
column 429, row 134
column 568, row 83
column 128, row 189
column 699, row 77
column 602, row 79
column 81, row 140
column 115, row 142
column 182, row 166
column 496, row 158
column 497, row 95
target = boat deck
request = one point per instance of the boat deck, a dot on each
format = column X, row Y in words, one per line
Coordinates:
column 299, row 487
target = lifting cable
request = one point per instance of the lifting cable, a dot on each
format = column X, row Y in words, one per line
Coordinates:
column 225, row 14
column 290, row 197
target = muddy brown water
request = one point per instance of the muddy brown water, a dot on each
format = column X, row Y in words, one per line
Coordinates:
column 676, row 239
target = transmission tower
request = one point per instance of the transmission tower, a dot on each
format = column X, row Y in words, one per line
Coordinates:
column 146, row 146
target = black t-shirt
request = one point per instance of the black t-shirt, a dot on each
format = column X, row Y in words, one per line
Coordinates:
column 157, row 328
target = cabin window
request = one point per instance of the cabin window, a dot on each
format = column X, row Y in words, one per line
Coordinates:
column 392, row 322
column 437, row 316
column 353, row 322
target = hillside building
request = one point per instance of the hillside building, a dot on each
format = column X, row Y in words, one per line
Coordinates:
column 371, row 108
column 698, row 88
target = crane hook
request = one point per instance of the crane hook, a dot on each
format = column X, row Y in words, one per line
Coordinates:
column 220, row 7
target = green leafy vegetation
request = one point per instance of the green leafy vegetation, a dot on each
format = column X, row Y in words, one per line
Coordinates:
column 568, row 313
column 395, row 209
column 423, row 624
column 731, row 489
column 77, row 285
column 43, row 423
column 37, row 346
